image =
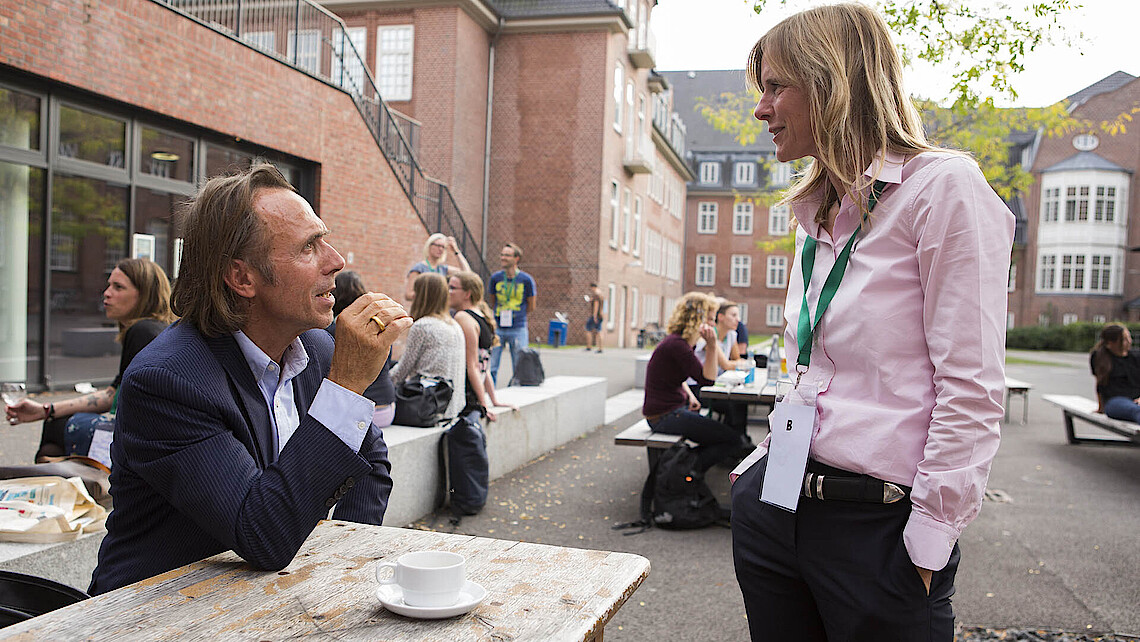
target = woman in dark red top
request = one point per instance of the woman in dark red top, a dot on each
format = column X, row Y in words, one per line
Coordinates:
column 669, row 407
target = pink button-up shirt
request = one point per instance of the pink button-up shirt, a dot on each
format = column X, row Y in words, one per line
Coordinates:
column 909, row 358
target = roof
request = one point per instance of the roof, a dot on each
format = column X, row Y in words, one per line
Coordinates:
column 553, row 8
column 1085, row 161
column 1109, row 83
column 701, row 136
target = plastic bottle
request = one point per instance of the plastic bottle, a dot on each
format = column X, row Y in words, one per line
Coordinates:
column 774, row 359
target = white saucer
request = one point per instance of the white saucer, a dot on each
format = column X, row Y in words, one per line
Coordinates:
column 392, row 597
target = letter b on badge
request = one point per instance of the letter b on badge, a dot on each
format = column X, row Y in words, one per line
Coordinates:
column 789, row 428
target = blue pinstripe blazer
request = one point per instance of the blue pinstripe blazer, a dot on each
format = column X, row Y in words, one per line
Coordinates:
column 195, row 471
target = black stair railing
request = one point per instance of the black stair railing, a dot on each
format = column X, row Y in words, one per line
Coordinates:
column 309, row 38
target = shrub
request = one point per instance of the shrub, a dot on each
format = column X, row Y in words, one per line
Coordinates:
column 1075, row 337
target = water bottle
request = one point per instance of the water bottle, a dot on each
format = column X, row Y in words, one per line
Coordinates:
column 747, row 364
column 774, row 359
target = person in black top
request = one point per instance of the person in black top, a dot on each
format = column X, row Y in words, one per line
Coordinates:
column 382, row 392
column 138, row 298
column 1116, row 367
column 465, row 296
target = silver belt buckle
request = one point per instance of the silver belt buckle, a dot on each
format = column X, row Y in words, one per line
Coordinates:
column 892, row 493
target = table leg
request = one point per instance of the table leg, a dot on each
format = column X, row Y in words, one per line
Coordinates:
column 1025, row 408
column 1008, row 394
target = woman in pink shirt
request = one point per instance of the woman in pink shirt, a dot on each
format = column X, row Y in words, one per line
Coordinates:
column 902, row 347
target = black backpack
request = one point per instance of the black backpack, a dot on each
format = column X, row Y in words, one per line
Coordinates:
column 674, row 497
column 465, row 468
column 528, row 370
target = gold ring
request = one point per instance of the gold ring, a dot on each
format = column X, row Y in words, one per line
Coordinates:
column 376, row 318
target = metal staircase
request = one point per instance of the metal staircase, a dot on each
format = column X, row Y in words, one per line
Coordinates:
column 317, row 43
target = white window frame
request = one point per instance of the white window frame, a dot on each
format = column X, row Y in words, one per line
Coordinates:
column 741, row 274
column 307, row 45
column 395, row 68
column 1069, row 318
column 354, row 70
column 781, row 173
column 776, row 275
column 744, row 173
column 634, row 304
column 611, row 296
column 1047, row 275
column 263, row 40
column 742, row 218
column 636, row 226
column 615, row 216
column 705, row 272
column 774, row 315
column 626, row 217
column 743, row 307
column 707, row 212
column 619, row 83
column 710, row 173
column 1105, row 209
column 1050, row 204
column 778, row 220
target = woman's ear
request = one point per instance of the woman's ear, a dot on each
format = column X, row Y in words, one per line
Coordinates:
column 241, row 279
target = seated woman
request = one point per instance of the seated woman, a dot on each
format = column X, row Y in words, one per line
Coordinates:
column 138, row 297
column 1116, row 367
column 435, row 260
column 669, row 406
column 475, row 318
column 434, row 345
column 349, row 287
column 735, row 412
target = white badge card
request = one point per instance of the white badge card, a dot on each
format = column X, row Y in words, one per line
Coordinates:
column 506, row 318
column 792, row 422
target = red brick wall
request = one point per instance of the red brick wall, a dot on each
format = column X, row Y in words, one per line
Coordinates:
column 150, row 57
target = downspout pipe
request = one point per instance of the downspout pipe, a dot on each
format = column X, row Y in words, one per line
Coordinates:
column 487, row 138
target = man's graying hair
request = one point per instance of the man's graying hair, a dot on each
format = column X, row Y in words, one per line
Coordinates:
column 221, row 226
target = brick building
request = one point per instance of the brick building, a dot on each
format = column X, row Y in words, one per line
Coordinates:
column 546, row 120
column 1075, row 263
column 112, row 111
column 729, row 207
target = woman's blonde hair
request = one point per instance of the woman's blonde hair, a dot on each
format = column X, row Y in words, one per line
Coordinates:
column 427, row 248
column 690, row 312
column 842, row 57
column 431, row 297
column 150, row 280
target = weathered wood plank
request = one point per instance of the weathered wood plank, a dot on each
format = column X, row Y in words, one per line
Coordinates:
column 536, row 592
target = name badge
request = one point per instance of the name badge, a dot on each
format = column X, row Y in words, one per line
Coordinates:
column 506, row 318
column 791, row 423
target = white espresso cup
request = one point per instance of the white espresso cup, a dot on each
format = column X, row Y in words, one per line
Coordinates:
column 426, row 578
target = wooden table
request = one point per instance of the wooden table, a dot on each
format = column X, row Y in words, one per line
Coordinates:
column 535, row 592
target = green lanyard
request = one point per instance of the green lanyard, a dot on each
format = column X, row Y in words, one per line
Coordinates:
column 508, row 294
column 806, row 330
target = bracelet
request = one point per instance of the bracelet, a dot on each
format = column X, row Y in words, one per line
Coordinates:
column 49, row 411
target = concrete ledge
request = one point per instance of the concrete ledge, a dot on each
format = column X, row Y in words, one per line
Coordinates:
column 558, row 411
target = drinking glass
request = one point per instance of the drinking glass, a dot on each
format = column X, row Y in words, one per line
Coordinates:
column 13, row 392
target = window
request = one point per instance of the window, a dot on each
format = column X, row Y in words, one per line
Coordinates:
column 745, row 173
column 777, row 272
column 637, row 226
column 673, row 261
column 305, row 49
column 743, row 307
column 1072, row 272
column 1008, row 320
column 1099, row 318
column 774, row 315
column 1077, row 203
column 741, row 276
column 92, row 137
column 781, row 173
column 652, row 251
column 610, row 306
column 1068, row 318
column 394, row 46
column 742, row 218
column 706, row 269
column 619, row 77
column 634, row 301
column 1043, row 320
column 20, row 127
column 706, row 218
column 625, row 219
column 1048, row 279
column 1012, row 280
column 615, row 220
column 263, row 40
column 1105, row 204
column 778, row 220
column 629, row 116
column 652, row 308
column 710, row 173
column 1100, row 273
column 1050, row 203
column 347, row 68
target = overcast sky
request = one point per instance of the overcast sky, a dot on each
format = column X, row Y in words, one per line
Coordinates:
column 717, row 34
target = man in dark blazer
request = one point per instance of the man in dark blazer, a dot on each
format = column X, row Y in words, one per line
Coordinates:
column 242, row 425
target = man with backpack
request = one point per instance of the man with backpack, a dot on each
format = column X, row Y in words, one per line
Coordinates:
column 511, row 294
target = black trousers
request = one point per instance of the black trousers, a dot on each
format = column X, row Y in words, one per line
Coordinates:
column 715, row 441
column 833, row 571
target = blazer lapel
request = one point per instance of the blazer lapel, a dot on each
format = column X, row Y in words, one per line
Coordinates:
column 248, row 396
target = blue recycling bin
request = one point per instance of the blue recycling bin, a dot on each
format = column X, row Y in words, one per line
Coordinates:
column 556, row 333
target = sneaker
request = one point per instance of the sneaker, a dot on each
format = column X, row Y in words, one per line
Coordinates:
column 599, row 350
column 588, row 348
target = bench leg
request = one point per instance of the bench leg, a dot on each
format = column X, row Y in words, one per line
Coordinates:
column 652, row 455
column 1074, row 439
column 1008, row 395
column 1069, row 433
column 1025, row 407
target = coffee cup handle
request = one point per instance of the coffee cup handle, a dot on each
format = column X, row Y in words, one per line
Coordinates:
column 391, row 578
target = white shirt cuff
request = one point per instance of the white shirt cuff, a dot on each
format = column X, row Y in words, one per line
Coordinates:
column 345, row 413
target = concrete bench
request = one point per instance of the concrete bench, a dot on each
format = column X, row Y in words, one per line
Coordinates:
column 1084, row 408
column 1017, row 387
column 640, row 434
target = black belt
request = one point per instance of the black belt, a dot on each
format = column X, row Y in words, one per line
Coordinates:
column 849, row 487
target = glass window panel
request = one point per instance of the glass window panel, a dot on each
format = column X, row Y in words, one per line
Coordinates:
column 89, row 220
column 157, row 213
column 21, row 275
column 19, row 120
column 92, row 137
column 166, row 155
column 220, row 160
